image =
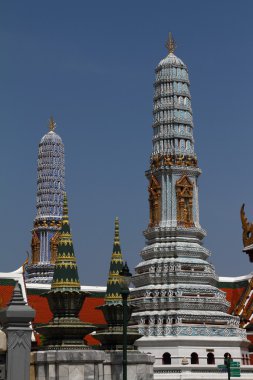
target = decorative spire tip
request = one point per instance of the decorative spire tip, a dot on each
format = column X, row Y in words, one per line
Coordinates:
column 52, row 124
column 171, row 44
column 65, row 205
column 116, row 233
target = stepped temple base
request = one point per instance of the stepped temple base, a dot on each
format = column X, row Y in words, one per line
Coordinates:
column 89, row 364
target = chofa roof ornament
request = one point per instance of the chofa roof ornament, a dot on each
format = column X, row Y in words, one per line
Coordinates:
column 247, row 234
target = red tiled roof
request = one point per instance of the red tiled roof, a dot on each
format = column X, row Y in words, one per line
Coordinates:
column 40, row 304
column 233, row 296
column 88, row 313
column 6, row 292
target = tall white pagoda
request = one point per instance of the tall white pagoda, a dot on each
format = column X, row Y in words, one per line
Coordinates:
column 49, row 204
column 178, row 307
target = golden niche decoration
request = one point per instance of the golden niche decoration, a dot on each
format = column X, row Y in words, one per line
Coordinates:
column 154, row 201
column 184, row 192
column 35, row 245
column 54, row 246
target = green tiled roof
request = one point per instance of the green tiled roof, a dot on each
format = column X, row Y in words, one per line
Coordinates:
column 233, row 285
column 113, row 291
column 65, row 272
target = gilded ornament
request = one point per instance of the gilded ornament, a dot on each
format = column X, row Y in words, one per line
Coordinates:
column 247, row 234
column 245, row 313
column 247, row 229
column 54, row 247
column 172, row 159
column 154, row 190
column 65, row 284
column 180, row 160
column 171, row 44
column 25, row 263
column 35, row 247
column 184, row 192
column 168, row 160
column 52, row 124
column 156, row 161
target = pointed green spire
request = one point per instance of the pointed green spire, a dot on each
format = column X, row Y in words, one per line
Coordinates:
column 113, row 291
column 65, row 272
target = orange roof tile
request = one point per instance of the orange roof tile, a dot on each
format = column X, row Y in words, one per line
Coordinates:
column 233, row 296
column 6, row 292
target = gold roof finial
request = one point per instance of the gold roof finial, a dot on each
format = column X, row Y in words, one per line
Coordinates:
column 52, row 124
column 116, row 230
column 171, row 44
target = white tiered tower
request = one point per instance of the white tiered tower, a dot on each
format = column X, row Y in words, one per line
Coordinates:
column 177, row 305
column 49, row 204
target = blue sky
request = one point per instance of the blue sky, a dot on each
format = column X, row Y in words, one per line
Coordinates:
column 91, row 65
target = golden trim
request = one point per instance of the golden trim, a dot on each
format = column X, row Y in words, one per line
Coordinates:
column 54, row 247
column 159, row 160
column 65, row 283
column 35, row 247
column 113, row 297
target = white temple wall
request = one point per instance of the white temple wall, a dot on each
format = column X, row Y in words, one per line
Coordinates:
column 183, row 348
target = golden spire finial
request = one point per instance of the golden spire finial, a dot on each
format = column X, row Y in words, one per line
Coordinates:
column 52, row 124
column 171, row 44
column 116, row 230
